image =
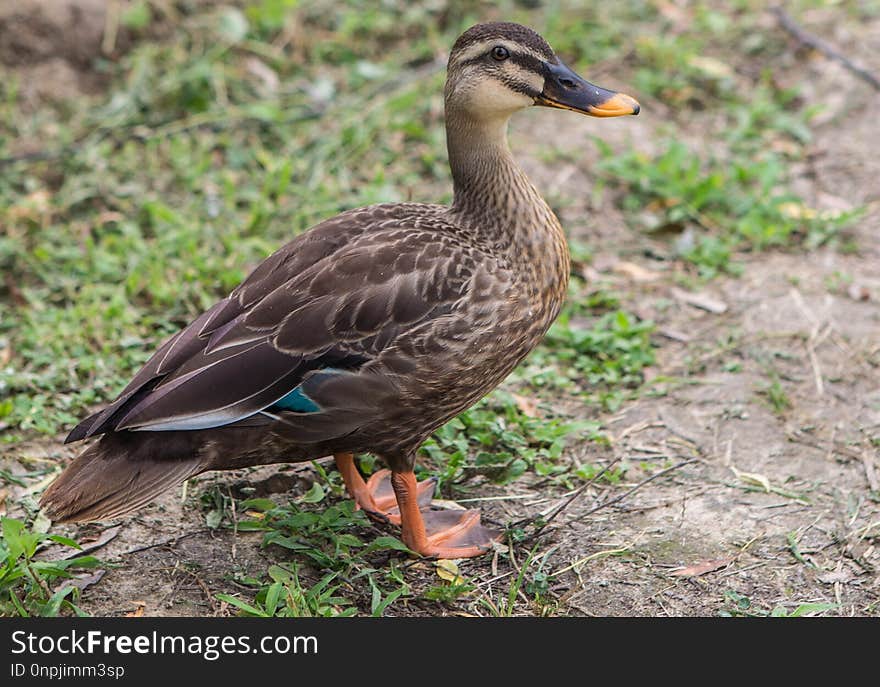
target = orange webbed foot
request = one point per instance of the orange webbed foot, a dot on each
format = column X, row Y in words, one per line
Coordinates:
column 376, row 496
column 385, row 501
column 397, row 497
column 454, row 534
column 435, row 533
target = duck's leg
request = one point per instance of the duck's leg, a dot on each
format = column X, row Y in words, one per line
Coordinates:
column 438, row 533
column 376, row 496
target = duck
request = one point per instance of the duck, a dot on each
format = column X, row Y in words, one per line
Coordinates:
column 366, row 333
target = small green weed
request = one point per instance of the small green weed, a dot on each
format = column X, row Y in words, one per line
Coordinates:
column 497, row 439
column 26, row 584
column 803, row 610
column 326, row 539
column 286, row 597
column 599, row 362
column 729, row 204
column 216, row 505
column 740, row 605
column 775, row 396
column 324, row 536
column 533, row 584
column 447, row 593
column 614, row 351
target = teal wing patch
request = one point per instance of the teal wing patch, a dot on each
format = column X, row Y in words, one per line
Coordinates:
column 296, row 401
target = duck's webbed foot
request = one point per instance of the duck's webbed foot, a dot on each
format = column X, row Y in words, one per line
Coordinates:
column 397, row 497
column 376, row 496
column 438, row 533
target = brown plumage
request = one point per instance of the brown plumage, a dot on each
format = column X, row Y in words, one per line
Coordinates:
column 369, row 331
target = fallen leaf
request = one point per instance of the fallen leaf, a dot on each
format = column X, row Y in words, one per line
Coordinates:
column 83, row 581
column 97, row 541
column 498, row 547
column 137, row 612
column 447, row 505
column 448, row 570
column 267, row 76
column 589, row 274
column 794, row 210
column 784, row 145
column 40, row 199
column 635, row 273
column 843, row 576
column 858, row 292
column 61, row 553
column 35, row 207
column 680, row 19
column 663, row 203
column 753, row 478
column 41, row 523
column 37, row 487
column 685, row 242
column 698, row 569
column 711, row 66
column 703, row 301
column 528, row 406
column 110, row 216
column 674, row 334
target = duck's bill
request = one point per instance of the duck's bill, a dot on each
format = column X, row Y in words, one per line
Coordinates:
column 564, row 89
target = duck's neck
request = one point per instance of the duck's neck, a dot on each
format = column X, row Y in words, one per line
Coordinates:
column 487, row 180
column 495, row 199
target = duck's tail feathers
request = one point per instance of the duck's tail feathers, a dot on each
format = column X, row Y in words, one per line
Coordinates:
column 120, row 473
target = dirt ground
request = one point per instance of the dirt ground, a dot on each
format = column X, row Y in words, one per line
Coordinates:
column 782, row 508
column 765, row 508
column 52, row 45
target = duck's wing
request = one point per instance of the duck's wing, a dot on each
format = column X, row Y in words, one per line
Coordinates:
column 297, row 333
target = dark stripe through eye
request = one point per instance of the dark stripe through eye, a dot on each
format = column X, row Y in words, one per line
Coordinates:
column 519, row 59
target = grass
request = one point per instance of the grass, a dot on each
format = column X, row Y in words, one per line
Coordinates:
column 602, row 361
column 245, row 125
column 719, row 206
column 775, row 396
column 26, row 584
column 323, row 538
column 496, row 439
column 738, row 605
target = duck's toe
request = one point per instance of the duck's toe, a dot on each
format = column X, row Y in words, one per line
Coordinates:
column 376, row 496
column 454, row 534
column 384, row 500
column 398, row 498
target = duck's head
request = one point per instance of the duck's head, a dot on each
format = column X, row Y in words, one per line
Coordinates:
column 499, row 68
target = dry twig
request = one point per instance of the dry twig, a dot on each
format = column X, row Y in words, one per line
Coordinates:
column 791, row 26
column 565, row 504
column 638, row 486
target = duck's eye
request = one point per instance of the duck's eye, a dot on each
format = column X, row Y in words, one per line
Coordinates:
column 499, row 52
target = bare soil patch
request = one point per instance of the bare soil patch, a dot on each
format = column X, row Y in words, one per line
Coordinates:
column 51, row 46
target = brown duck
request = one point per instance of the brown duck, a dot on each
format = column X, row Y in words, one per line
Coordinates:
column 367, row 332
